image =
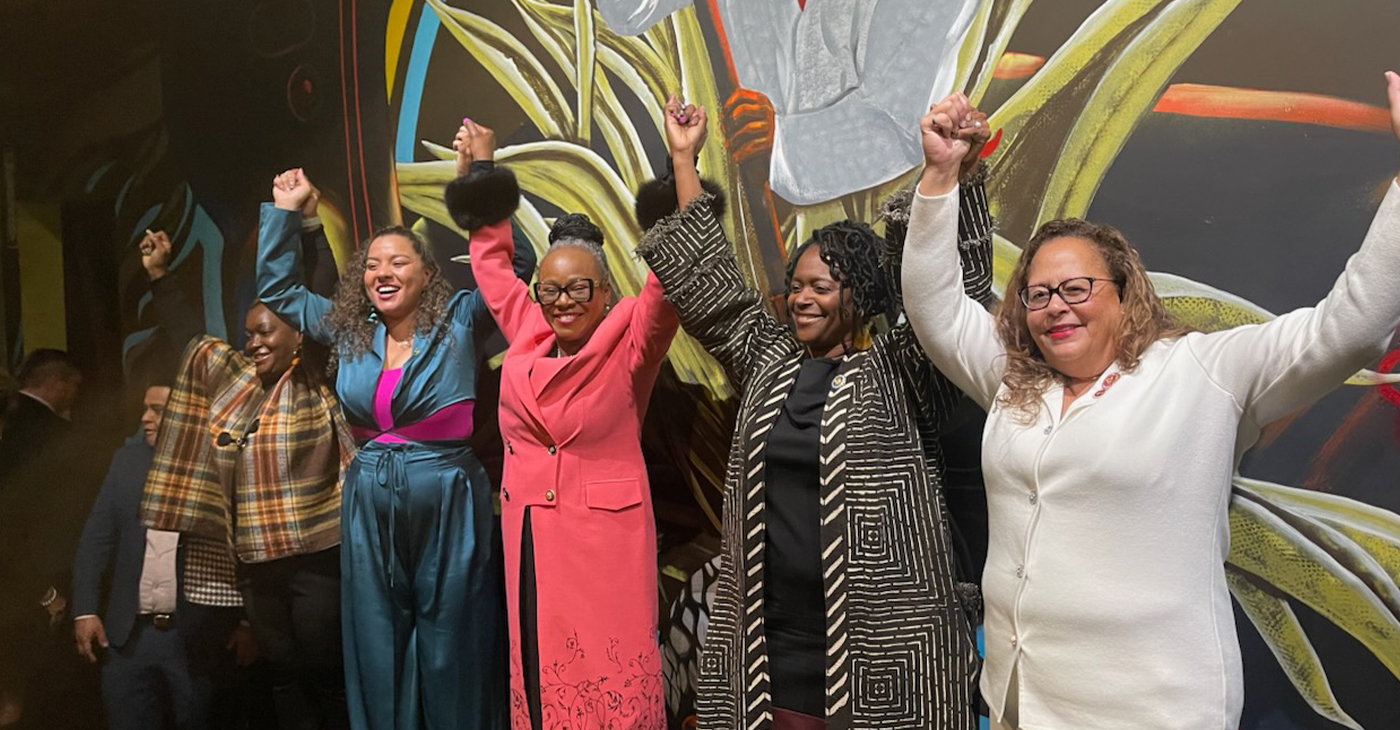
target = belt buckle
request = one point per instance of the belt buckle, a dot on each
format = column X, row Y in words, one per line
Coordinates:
column 162, row 621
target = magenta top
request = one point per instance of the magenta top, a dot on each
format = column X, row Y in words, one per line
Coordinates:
column 450, row 423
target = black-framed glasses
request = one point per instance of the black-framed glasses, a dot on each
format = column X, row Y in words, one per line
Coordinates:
column 1071, row 291
column 579, row 290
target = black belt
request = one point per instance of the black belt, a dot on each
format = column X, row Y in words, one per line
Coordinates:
column 162, row 621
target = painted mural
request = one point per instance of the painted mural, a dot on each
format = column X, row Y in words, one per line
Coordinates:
column 1242, row 145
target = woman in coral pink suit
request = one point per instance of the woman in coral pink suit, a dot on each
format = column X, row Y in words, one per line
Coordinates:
column 576, row 517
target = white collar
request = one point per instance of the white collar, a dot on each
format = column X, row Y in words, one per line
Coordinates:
column 47, row 404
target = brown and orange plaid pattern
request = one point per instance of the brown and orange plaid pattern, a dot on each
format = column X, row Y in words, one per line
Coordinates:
column 271, row 489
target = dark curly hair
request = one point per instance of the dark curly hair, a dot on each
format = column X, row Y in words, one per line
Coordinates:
column 352, row 317
column 852, row 251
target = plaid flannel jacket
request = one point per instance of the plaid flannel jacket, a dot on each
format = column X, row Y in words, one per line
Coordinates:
column 273, row 489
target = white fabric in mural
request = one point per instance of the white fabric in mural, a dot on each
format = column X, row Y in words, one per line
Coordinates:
column 848, row 79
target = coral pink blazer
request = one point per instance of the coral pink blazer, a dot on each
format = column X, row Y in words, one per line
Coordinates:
column 574, row 459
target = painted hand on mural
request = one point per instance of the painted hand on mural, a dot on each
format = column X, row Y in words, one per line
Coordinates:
column 748, row 125
column 155, row 254
column 292, row 190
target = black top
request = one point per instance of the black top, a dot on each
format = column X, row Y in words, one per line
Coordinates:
column 794, row 608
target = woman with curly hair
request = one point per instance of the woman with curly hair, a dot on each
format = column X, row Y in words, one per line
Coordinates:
column 420, row 570
column 1109, row 449
column 839, row 604
column 580, row 539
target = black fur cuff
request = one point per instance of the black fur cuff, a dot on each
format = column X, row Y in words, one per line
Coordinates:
column 485, row 195
column 656, row 198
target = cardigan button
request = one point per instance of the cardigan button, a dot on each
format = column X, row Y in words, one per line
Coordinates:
column 1048, row 429
column 505, row 495
column 1034, row 497
column 549, row 495
column 551, row 449
column 1020, row 571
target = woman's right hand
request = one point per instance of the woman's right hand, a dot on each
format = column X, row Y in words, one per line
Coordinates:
column 686, row 127
column 944, row 148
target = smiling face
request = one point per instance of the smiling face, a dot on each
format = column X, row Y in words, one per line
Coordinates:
column 573, row 322
column 152, row 409
column 272, row 343
column 821, row 309
column 394, row 277
column 1078, row 340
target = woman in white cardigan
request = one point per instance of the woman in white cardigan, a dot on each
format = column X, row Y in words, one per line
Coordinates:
column 1109, row 448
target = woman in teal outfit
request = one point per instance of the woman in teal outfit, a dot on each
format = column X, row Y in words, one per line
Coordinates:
column 420, row 570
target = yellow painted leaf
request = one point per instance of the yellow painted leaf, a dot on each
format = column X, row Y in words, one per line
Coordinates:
column 1290, row 645
column 585, row 64
column 1123, row 95
column 513, row 66
column 1265, row 545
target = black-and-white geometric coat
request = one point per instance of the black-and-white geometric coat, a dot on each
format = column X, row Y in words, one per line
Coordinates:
column 900, row 646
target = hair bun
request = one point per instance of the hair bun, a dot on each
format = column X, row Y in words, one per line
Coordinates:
column 575, row 226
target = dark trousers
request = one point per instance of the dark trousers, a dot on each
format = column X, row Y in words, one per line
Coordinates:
column 293, row 604
column 146, row 681
column 220, row 687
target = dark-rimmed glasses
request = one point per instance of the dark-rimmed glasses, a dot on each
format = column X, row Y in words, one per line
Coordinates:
column 579, row 290
column 1071, row 291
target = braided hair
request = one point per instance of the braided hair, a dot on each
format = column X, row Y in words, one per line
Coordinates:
column 852, row 251
column 575, row 230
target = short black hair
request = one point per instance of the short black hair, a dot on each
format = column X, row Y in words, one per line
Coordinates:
column 852, row 251
column 45, row 364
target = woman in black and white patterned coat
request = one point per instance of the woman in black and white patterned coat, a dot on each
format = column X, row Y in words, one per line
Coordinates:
column 838, row 604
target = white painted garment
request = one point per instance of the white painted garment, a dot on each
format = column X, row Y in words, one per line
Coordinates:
column 848, row 80
column 1105, row 584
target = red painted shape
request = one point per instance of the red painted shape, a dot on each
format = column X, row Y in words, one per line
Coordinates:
column 1201, row 100
column 1388, row 363
column 991, row 146
column 802, row 5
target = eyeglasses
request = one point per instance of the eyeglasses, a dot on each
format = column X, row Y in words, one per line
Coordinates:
column 579, row 290
column 1071, row 291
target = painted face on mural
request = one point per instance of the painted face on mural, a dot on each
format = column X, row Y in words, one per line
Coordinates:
column 394, row 277
column 152, row 410
column 1078, row 340
column 272, row 343
column 566, row 269
column 822, row 312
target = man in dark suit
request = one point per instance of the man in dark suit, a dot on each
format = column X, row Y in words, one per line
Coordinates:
column 164, row 655
column 49, row 383
column 36, row 531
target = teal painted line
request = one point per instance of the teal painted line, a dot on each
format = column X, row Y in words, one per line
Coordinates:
column 414, row 77
column 96, row 176
column 211, row 239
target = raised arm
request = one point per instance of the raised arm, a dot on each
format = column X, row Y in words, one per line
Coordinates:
column 935, row 396
column 1279, row 366
column 694, row 262
column 481, row 200
column 523, row 263
column 280, row 275
column 179, row 319
column 955, row 330
column 654, row 324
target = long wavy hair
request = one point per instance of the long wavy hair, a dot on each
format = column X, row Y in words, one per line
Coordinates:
column 352, row 317
column 1144, row 320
